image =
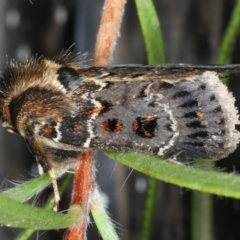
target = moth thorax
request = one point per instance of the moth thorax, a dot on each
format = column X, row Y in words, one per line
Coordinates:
column 36, row 105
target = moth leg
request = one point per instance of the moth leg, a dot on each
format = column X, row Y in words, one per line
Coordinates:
column 175, row 161
column 40, row 169
column 52, row 174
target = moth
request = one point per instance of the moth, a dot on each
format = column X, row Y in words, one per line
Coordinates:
column 62, row 108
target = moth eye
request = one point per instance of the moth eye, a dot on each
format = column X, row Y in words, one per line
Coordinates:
column 68, row 77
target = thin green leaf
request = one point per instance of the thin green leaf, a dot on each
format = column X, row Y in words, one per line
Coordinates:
column 201, row 219
column 149, row 209
column 202, row 211
column 185, row 176
column 27, row 190
column 151, row 31
column 102, row 220
column 48, row 205
column 25, row 235
column 229, row 38
column 20, row 215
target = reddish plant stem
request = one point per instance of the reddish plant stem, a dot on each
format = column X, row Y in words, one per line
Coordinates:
column 83, row 186
column 108, row 32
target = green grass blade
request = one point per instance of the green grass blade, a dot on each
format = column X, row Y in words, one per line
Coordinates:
column 49, row 205
column 219, row 183
column 202, row 211
column 27, row 190
column 149, row 209
column 25, row 235
column 20, row 215
column 202, row 216
column 230, row 36
column 102, row 220
column 151, row 30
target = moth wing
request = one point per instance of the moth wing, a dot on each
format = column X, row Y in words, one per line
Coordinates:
column 166, row 72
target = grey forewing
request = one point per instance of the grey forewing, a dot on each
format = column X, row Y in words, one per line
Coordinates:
column 183, row 120
column 185, row 113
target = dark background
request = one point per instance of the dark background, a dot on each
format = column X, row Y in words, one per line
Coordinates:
column 192, row 30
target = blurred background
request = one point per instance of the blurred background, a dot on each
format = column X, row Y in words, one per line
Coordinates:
column 192, row 31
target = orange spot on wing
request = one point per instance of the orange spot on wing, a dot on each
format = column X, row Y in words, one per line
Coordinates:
column 96, row 110
column 48, row 130
column 149, row 118
column 219, row 121
column 118, row 126
column 135, row 125
column 77, row 126
column 112, row 125
column 199, row 113
column 204, row 123
column 106, row 127
column 147, row 134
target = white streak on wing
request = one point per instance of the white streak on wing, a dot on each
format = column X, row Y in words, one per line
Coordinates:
column 90, row 124
column 90, row 131
column 174, row 128
column 102, row 84
column 59, row 134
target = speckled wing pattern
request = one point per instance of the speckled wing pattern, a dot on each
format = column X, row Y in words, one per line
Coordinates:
column 185, row 120
column 176, row 111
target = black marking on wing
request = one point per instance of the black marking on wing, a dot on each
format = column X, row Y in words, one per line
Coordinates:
column 201, row 134
column 197, row 124
column 190, row 104
column 193, row 114
column 145, row 127
column 68, row 77
column 112, row 125
column 181, row 94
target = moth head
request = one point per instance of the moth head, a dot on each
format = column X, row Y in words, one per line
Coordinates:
column 37, row 90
